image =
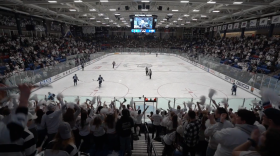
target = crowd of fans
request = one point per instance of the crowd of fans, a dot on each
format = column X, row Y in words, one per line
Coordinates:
column 10, row 21
column 102, row 129
column 257, row 54
column 34, row 53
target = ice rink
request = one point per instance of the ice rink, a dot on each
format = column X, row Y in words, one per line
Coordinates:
column 171, row 78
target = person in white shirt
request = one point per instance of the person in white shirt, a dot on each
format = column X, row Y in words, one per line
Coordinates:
column 139, row 121
column 156, row 118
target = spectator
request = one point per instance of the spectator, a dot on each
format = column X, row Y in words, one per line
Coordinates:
column 63, row 142
column 191, row 134
column 268, row 144
column 215, row 126
column 243, row 128
column 123, row 128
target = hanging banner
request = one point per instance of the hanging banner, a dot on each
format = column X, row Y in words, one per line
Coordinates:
column 253, row 23
column 215, row 28
column 275, row 19
column 219, row 28
column 211, row 28
column 244, row 24
column 236, row 25
column 263, row 21
column 229, row 26
column 224, row 27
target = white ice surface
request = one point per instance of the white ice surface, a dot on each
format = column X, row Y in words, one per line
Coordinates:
column 171, row 78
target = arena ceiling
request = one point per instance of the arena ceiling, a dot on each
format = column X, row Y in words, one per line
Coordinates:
column 191, row 13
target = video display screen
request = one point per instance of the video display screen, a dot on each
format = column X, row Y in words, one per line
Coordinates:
column 143, row 23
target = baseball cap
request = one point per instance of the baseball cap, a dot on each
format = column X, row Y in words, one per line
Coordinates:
column 64, row 130
column 31, row 117
column 273, row 114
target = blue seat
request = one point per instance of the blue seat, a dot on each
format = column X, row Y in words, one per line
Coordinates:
column 27, row 69
column 276, row 77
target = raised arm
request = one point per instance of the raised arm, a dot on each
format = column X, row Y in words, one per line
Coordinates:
column 145, row 110
column 214, row 102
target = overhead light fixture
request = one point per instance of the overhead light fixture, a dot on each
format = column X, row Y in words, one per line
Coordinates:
column 103, row 23
column 180, row 19
column 100, row 14
column 211, row 2
column 174, row 21
column 169, row 14
column 182, row 24
column 92, row 18
column 72, row 10
column 111, row 21
column 106, row 18
column 114, row 23
column 175, row 10
column 78, row 1
column 161, row 21
column 103, row 0
column 216, row 11
column 165, row 19
column 122, row 18
column 188, row 22
column 186, row 15
column 145, row 1
column 237, row 2
column 117, row 14
column 52, row 1
column 195, row 10
column 184, row 1
column 194, row 19
column 148, row 15
column 92, row 9
column 144, row 10
column 113, row 9
column 203, row 16
column 97, row 21
column 107, row 25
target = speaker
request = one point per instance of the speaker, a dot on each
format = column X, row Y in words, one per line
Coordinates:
column 139, row 7
column 30, row 27
column 126, row 7
column 160, row 8
column 147, row 6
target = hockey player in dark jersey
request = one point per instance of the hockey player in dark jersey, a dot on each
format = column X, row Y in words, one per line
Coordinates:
column 75, row 78
column 233, row 89
column 100, row 79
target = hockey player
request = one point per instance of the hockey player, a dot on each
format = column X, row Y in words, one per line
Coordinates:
column 147, row 70
column 233, row 89
column 150, row 73
column 100, row 79
column 75, row 78
column 114, row 63
column 83, row 66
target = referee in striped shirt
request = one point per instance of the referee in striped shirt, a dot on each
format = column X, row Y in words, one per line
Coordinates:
column 15, row 138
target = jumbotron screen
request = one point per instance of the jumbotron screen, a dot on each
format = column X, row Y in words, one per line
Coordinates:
column 143, row 23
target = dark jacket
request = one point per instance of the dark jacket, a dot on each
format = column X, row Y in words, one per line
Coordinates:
column 125, row 124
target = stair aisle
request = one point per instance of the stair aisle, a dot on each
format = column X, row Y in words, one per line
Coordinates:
column 140, row 147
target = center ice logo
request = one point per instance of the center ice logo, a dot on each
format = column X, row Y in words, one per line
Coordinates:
column 144, row 65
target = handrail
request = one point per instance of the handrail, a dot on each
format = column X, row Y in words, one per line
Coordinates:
column 150, row 146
